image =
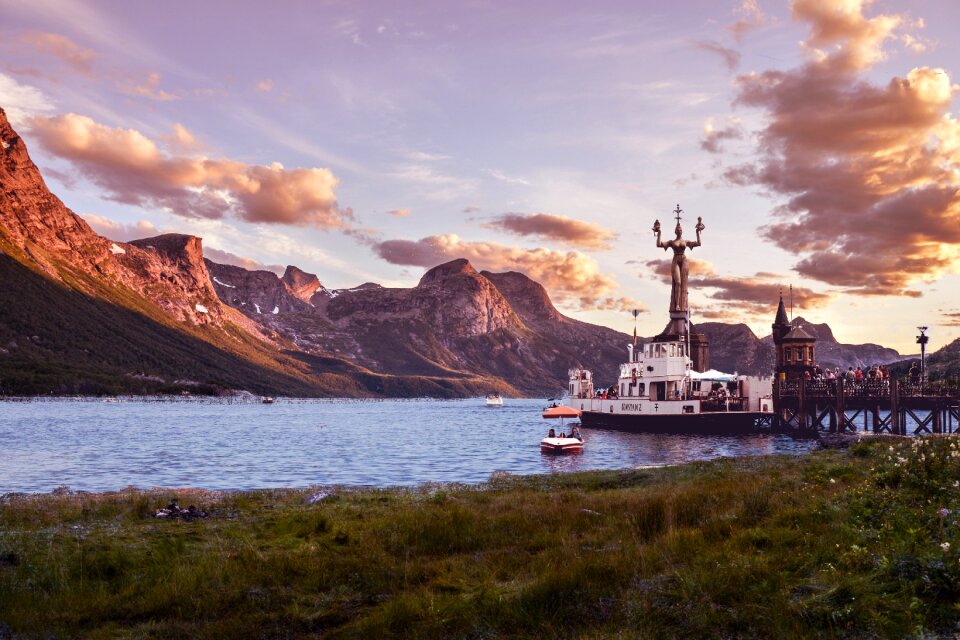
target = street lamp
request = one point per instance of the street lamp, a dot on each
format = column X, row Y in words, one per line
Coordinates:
column 922, row 340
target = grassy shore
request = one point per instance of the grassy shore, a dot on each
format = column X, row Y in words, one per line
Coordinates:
column 855, row 543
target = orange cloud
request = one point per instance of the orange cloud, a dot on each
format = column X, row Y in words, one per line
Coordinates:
column 549, row 226
column 871, row 173
column 63, row 48
column 134, row 170
column 712, row 137
column 730, row 57
column 750, row 17
column 149, row 89
column 739, row 298
column 251, row 264
column 400, row 213
column 572, row 278
column 120, row 231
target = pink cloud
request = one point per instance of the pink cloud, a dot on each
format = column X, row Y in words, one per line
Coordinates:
column 120, row 231
column 63, row 48
column 871, row 174
column 251, row 264
column 134, row 170
column 549, row 226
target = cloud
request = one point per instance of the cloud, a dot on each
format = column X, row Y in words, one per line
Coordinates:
column 712, row 137
column 265, row 86
column 730, row 57
column 66, row 50
column 120, row 231
column 741, row 298
column 950, row 319
column 400, row 213
column 134, row 170
column 21, row 101
column 870, row 173
column 559, row 228
column 251, row 264
column 750, row 17
column 149, row 89
column 573, row 279
column 500, row 175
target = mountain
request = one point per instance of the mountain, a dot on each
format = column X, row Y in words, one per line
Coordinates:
column 455, row 322
column 737, row 348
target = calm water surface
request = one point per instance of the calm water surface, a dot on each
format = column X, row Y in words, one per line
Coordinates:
column 100, row 446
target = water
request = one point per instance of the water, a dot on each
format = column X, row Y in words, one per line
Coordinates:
column 100, row 446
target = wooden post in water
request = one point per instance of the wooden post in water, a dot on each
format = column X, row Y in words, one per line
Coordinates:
column 802, row 404
column 895, row 407
column 841, row 416
column 937, row 422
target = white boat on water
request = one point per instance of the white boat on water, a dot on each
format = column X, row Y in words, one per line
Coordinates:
column 494, row 400
column 562, row 443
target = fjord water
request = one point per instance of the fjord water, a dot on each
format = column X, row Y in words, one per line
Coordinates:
column 93, row 445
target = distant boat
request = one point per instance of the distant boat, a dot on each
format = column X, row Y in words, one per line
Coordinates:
column 494, row 400
column 267, row 400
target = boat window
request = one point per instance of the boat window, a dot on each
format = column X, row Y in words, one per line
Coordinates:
column 623, row 389
column 641, row 388
column 673, row 350
column 696, row 385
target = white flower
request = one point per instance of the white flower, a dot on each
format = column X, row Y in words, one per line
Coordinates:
column 945, row 546
column 832, row 481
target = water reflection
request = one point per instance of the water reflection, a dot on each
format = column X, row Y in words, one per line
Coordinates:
column 99, row 446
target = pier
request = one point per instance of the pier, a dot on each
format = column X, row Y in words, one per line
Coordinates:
column 879, row 406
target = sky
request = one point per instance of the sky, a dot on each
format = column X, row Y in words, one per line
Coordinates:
column 368, row 141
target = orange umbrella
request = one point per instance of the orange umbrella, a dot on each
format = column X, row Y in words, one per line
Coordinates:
column 561, row 412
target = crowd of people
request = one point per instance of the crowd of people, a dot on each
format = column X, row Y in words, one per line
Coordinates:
column 876, row 372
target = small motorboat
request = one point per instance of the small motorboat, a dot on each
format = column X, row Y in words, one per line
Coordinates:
column 267, row 400
column 494, row 400
column 561, row 444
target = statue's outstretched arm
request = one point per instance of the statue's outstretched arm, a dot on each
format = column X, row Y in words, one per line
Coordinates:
column 700, row 227
column 656, row 230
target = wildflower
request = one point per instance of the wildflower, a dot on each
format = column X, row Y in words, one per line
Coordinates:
column 943, row 512
column 832, row 481
column 945, row 546
column 956, row 483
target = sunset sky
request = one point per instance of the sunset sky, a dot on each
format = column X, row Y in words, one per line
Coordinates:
column 367, row 141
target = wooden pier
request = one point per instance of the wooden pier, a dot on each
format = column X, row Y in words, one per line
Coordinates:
column 880, row 406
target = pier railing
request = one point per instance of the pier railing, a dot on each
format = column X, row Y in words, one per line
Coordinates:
column 882, row 405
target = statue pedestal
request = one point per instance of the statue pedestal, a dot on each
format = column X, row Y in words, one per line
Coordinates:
column 679, row 321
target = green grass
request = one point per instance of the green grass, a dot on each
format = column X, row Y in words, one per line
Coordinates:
column 832, row 544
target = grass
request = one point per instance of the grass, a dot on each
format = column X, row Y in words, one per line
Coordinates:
column 857, row 543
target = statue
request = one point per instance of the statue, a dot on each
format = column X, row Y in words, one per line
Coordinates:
column 679, row 268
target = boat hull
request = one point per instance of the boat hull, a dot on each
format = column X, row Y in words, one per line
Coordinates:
column 561, row 446
column 721, row 422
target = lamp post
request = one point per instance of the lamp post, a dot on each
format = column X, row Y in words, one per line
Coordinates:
column 922, row 340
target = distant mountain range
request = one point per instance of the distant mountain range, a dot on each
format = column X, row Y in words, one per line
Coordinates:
column 80, row 313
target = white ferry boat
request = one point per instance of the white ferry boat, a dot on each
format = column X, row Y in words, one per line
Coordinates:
column 657, row 390
column 660, row 388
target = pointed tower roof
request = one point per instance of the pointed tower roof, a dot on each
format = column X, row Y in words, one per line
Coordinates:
column 781, row 314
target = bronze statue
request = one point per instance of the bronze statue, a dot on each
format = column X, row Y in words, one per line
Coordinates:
column 679, row 268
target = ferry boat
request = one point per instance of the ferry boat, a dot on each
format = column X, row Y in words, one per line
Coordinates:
column 657, row 390
column 494, row 400
column 660, row 388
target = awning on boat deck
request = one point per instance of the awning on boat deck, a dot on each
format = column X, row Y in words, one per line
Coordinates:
column 561, row 412
column 713, row 375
